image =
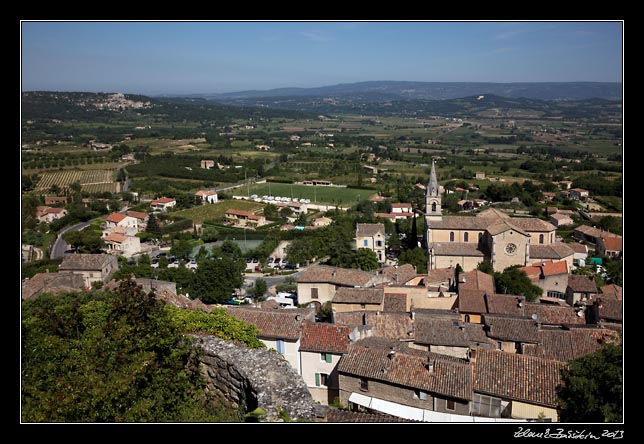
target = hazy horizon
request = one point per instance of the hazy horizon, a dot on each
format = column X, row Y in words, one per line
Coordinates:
column 174, row 58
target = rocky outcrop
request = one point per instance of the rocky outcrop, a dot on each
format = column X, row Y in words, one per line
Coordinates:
column 251, row 379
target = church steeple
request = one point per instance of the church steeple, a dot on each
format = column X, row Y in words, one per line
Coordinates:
column 433, row 197
column 432, row 186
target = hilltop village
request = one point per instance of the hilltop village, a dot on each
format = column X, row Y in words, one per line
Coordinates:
column 385, row 340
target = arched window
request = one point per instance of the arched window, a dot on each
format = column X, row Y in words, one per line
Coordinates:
column 466, row 237
column 433, row 207
column 551, row 241
column 541, row 238
column 451, row 236
column 467, row 318
column 480, row 236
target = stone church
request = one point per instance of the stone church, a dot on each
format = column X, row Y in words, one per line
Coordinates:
column 491, row 235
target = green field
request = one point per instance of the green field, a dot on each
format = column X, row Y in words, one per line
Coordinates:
column 214, row 211
column 343, row 196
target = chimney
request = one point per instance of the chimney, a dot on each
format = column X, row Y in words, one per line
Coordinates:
column 392, row 354
column 472, row 355
column 430, row 365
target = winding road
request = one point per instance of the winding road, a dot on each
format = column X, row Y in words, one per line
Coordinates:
column 60, row 246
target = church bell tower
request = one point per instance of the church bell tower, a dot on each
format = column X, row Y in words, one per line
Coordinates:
column 433, row 210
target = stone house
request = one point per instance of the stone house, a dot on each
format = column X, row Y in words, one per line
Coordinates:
column 550, row 276
column 580, row 288
column 321, row 347
column 279, row 330
column 92, row 267
column 371, row 237
column 407, row 383
column 319, row 283
column 514, row 385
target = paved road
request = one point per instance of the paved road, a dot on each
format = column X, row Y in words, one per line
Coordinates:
column 59, row 247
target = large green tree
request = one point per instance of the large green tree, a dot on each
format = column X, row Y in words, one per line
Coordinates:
column 109, row 357
column 591, row 389
column 517, row 282
column 365, row 260
column 216, row 278
column 417, row 257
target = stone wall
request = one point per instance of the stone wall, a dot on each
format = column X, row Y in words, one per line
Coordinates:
column 249, row 379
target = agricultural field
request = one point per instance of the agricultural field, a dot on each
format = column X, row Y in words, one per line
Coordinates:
column 322, row 194
column 203, row 213
column 92, row 181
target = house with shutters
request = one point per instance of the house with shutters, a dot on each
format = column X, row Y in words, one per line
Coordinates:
column 321, row 347
column 279, row 330
column 371, row 237
column 508, row 385
column 410, row 384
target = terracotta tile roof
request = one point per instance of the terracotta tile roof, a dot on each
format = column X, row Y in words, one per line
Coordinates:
column 565, row 345
column 557, row 251
column 560, row 217
column 368, row 230
column 51, row 283
column 611, row 310
column 337, row 415
column 400, row 205
column 578, row 248
column 201, row 193
column 395, row 302
column 162, row 200
column 54, row 210
column 115, row 237
column 582, row 284
column 477, row 280
column 611, row 291
column 594, row 232
column 532, row 224
column 612, row 243
column 400, row 274
column 545, row 268
column 334, row 275
column 502, row 227
column 236, row 212
column 325, row 338
column 534, row 273
column 138, row 215
column 456, row 249
column 471, row 301
column 274, row 324
column 440, row 276
column 510, row 328
column 517, row 377
column 116, row 217
column 460, row 223
column 432, row 331
column 492, row 213
column 349, row 295
column 403, row 346
column 448, row 378
column 79, row 262
column 553, row 314
column 505, row 304
column 551, row 268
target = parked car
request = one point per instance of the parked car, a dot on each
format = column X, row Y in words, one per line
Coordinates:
column 269, row 260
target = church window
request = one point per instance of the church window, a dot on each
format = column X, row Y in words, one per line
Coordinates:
column 480, row 236
column 541, row 238
column 451, row 236
column 466, row 237
column 433, row 207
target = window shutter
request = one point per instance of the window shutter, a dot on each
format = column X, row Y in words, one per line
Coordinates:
column 328, row 357
column 317, row 379
column 280, row 346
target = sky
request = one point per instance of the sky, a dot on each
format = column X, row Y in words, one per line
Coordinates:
column 214, row 57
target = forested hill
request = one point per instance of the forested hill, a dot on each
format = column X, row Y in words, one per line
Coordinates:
column 397, row 90
column 104, row 107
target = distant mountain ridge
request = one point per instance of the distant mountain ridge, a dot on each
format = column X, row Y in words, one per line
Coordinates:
column 407, row 90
